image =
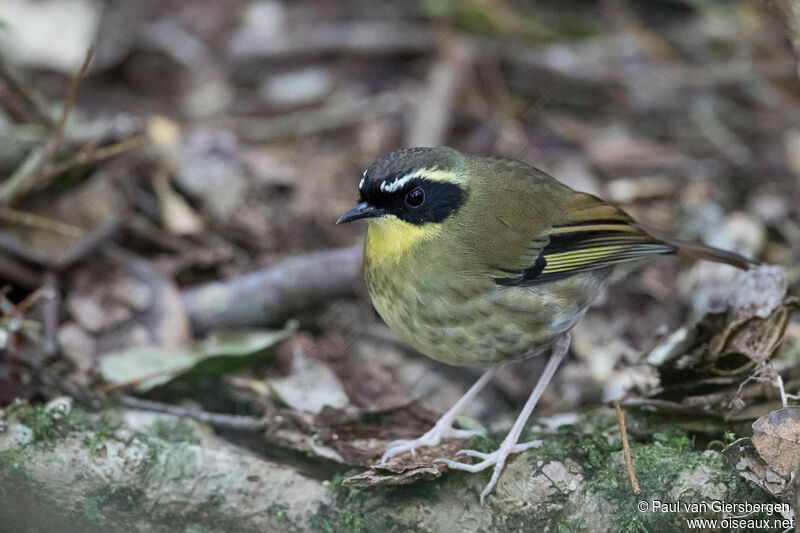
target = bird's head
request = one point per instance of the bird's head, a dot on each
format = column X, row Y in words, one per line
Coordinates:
column 413, row 187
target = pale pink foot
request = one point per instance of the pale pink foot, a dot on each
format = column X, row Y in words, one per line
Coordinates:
column 434, row 436
column 497, row 459
column 509, row 444
column 443, row 429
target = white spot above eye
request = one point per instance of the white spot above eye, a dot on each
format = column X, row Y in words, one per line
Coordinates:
column 396, row 184
column 399, row 183
column 361, row 184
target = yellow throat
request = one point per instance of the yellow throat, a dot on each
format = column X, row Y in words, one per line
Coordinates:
column 389, row 237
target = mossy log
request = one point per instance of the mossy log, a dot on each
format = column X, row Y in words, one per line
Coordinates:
column 129, row 471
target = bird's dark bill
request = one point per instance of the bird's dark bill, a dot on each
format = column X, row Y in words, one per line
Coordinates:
column 362, row 210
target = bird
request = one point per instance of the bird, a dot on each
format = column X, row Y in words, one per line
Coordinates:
column 479, row 261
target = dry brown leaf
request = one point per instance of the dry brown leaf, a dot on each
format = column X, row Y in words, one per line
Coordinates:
column 376, row 477
column 178, row 217
column 747, row 334
column 754, row 469
column 776, row 437
column 310, row 386
column 123, row 301
column 91, row 211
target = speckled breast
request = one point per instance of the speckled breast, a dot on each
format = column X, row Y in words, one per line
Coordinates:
column 467, row 323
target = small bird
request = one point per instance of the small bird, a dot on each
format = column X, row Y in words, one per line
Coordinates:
column 476, row 261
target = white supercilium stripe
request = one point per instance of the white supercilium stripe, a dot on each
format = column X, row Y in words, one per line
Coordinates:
column 396, row 184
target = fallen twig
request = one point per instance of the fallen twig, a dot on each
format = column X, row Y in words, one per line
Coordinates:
column 717, row 133
column 60, row 383
column 26, row 183
column 37, row 103
column 433, row 111
column 18, row 273
column 9, row 187
column 91, row 154
column 626, row 449
column 369, row 37
column 332, row 116
column 790, row 10
column 50, row 313
column 32, row 220
column 145, row 228
column 57, row 136
column 237, row 422
column 272, row 295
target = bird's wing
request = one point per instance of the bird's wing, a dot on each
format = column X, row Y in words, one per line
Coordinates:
column 587, row 234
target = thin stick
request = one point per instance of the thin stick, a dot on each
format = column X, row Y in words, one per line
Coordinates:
column 626, row 449
column 50, row 312
column 69, row 102
column 60, row 383
column 30, row 95
column 32, row 220
column 781, row 389
column 135, row 382
column 18, row 273
column 43, row 293
column 11, row 187
column 29, row 182
column 91, row 154
column 238, row 422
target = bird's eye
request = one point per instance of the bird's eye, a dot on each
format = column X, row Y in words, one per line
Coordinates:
column 415, row 197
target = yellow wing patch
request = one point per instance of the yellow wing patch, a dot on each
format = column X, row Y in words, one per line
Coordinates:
column 566, row 261
column 585, row 246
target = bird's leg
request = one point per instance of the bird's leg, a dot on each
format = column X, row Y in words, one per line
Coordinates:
column 443, row 429
column 509, row 444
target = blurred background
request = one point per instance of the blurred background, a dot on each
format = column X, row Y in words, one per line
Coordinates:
column 167, row 202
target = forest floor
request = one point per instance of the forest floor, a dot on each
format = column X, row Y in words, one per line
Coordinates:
column 187, row 342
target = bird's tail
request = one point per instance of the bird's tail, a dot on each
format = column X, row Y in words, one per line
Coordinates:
column 709, row 253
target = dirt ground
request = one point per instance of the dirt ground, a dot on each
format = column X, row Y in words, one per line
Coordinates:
column 186, row 339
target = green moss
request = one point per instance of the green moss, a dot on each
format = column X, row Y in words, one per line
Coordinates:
column 486, row 443
column 123, row 500
column 659, row 461
column 173, row 431
column 572, row 525
column 662, row 462
column 529, row 22
column 95, row 439
column 168, row 460
column 428, row 490
column 13, row 459
column 36, row 506
column 123, row 508
column 46, row 426
column 338, row 521
column 277, row 510
column 353, row 510
column 49, row 426
column 337, row 487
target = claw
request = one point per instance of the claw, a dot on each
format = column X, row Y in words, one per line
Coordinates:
column 497, row 459
column 443, row 429
column 521, row 447
column 473, row 453
column 455, row 465
column 431, row 438
column 466, row 433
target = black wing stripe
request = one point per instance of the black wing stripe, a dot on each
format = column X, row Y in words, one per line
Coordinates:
column 587, row 246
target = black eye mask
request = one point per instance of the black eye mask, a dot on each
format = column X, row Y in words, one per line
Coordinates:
column 439, row 199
